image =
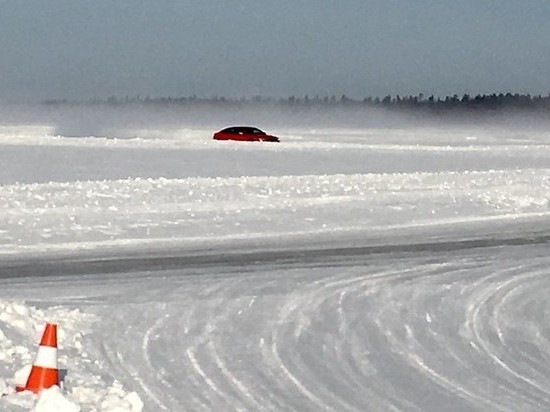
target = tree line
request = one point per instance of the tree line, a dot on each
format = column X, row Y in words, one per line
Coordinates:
column 420, row 102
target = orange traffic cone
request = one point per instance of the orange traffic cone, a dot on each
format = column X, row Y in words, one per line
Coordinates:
column 44, row 372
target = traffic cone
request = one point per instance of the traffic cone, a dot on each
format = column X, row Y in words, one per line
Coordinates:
column 44, row 372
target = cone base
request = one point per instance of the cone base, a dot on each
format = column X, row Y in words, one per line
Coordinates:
column 41, row 378
column 20, row 389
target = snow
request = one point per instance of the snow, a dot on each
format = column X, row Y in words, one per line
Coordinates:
column 359, row 268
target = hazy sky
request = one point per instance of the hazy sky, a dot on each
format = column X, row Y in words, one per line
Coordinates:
column 81, row 49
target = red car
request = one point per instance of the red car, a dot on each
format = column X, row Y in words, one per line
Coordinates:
column 245, row 134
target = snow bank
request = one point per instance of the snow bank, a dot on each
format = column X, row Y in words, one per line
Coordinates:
column 83, row 388
column 37, row 218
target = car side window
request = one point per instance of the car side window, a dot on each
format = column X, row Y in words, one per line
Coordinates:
column 243, row 130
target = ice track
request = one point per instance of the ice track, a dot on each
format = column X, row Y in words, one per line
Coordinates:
column 369, row 271
column 451, row 330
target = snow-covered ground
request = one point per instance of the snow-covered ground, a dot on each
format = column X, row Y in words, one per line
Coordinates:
column 360, row 268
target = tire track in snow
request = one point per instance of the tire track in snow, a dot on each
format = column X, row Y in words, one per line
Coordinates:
column 487, row 329
column 445, row 330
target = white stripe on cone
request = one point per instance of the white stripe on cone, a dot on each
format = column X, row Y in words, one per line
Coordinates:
column 46, row 357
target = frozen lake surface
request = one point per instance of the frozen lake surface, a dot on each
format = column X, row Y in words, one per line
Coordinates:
column 361, row 268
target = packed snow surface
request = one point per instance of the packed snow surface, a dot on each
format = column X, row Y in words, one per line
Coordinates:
column 341, row 269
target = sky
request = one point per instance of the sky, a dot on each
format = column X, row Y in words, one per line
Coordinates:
column 241, row 48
